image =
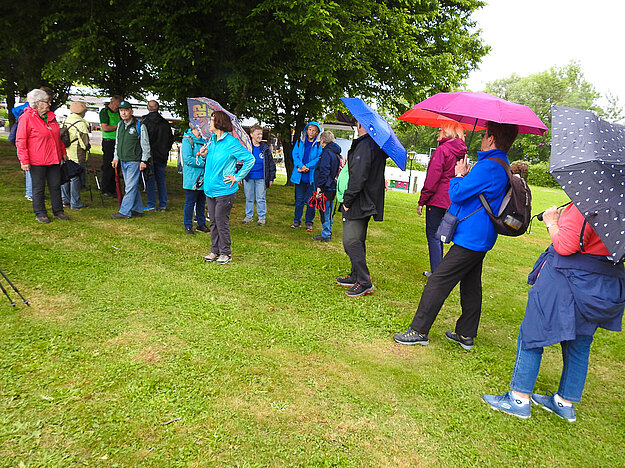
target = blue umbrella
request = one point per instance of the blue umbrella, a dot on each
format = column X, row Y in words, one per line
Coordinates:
column 378, row 129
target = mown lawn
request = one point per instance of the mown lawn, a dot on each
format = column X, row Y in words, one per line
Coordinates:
column 265, row 362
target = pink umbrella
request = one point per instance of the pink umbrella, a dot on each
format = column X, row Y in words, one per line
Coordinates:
column 430, row 119
column 479, row 108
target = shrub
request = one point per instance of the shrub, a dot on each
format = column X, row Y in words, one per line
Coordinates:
column 538, row 175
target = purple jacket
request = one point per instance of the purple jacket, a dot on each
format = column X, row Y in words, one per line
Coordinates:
column 435, row 191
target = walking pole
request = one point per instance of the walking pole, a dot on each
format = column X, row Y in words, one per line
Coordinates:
column 14, row 288
column 7, row 295
column 97, row 184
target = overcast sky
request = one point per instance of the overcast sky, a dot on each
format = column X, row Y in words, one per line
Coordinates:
column 533, row 35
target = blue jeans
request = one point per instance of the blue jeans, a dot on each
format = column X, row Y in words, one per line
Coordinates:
column 157, row 181
column 433, row 217
column 194, row 199
column 575, row 367
column 132, row 197
column 326, row 226
column 29, row 184
column 303, row 192
column 255, row 190
column 70, row 192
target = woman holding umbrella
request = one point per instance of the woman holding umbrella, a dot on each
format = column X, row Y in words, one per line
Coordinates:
column 576, row 289
column 435, row 192
column 220, row 182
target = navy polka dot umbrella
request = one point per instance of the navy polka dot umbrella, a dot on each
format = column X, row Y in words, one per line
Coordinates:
column 588, row 161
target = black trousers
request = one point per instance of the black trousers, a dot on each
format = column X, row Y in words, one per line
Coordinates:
column 354, row 237
column 108, row 173
column 462, row 266
column 51, row 174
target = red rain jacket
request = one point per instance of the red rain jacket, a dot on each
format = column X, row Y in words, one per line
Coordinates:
column 435, row 191
column 39, row 143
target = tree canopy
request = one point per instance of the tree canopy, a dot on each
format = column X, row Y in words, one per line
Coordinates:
column 282, row 62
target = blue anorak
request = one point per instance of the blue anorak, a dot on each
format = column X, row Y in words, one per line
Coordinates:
column 298, row 155
column 572, row 295
column 221, row 160
column 193, row 164
column 477, row 232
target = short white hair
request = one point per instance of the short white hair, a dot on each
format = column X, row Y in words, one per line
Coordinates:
column 327, row 137
column 35, row 96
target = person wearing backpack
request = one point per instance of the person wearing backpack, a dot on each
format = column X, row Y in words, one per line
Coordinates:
column 193, row 179
column 78, row 135
column 132, row 152
column 40, row 151
column 325, row 181
column 475, row 235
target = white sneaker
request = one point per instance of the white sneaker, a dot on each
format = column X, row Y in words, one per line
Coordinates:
column 211, row 257
column 246, row 220
column 223, row 259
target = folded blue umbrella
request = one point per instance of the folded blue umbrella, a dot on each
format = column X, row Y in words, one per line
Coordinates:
column 378, row 129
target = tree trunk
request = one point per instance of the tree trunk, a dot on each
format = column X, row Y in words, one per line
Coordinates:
column 10, row 106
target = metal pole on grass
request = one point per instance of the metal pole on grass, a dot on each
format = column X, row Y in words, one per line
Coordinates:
column 14, row 288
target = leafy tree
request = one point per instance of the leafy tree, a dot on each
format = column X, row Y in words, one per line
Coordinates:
column 24, row 52
column 99, row 50
column 286, row 62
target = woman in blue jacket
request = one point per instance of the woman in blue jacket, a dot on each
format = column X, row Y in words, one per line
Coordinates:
column 221, row 183
column 305, row 158
column 475, row 235
column 193, row 180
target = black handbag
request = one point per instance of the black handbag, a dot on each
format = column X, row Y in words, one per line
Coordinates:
column 69, row 170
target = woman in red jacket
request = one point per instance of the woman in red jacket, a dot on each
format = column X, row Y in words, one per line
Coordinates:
column 40, row 151
column 435, row 191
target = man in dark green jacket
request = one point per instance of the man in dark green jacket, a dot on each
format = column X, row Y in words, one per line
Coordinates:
column 132, row 151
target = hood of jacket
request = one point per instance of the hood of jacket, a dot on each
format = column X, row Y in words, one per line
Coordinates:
column 196, row 140
column 304, row 135
column 454, row 146
column 334, row 148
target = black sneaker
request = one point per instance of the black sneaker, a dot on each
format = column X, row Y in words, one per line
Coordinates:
column 465, row 342
column 62, row 216
column 412, row 337
column 42, row 219
column 136, row 214
column 189, row 231
column 346, row 281
column 203, row 228
column 320, row 238
column 118, row 215
column 359, row 290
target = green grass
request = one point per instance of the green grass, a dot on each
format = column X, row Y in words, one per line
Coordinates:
column 265, row 361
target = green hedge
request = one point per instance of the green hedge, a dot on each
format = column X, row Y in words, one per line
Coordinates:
column 538, row 175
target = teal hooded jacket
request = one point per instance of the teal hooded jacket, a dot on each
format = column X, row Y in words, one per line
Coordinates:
column 221, row 160
column 193, row 165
